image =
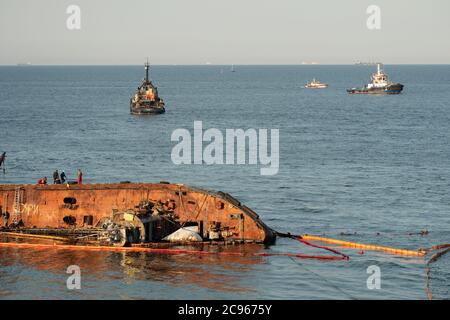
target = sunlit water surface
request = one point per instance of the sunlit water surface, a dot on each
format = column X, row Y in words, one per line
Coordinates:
column 377, row 166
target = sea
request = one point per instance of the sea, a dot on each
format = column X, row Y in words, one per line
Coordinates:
column 368, row 169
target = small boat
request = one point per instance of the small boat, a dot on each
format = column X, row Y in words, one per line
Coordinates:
column 316, row 84
column 146, row 99
column 379, row 85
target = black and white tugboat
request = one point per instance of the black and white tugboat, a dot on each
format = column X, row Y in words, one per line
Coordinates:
column 379, row 85
column 146, row 99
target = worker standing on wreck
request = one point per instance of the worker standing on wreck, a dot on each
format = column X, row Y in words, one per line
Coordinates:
column 80, row 176
column 5, row 217
column 63, row 177
column 2, row 162
column 56, row 179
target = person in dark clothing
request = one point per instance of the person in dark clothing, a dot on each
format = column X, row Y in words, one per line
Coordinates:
column 2, row 161
column 56, row 179
column 5, row 217
column 63, row 177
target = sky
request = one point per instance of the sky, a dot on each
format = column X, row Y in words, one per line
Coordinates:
column 172, row 32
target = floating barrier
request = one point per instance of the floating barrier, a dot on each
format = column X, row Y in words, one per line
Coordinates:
column 433, row 259
column 161, row 250
column 445, row 248
column 355, row 245
column 305, row 239
column 34, row 236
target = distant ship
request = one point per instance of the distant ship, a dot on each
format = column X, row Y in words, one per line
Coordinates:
column 316, row 84
column 362, row 63
column 28, row 64
column 232, row 68
column 146, row 99
column 379, row 85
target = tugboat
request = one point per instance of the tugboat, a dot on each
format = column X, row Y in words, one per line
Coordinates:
column 379, row 85
column 316, row 84
column 146, row 99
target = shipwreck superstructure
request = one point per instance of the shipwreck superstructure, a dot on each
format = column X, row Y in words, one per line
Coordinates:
column 146, row 99
column 131, row 213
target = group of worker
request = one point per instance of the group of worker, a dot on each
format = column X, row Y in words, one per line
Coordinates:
column 62, row 178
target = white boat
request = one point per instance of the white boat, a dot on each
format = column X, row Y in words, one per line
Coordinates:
column 316, row 84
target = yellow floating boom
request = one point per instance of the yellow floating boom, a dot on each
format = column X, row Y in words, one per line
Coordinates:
column 355, row 245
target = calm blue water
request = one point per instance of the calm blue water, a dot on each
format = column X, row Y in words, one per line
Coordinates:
column 364, row 164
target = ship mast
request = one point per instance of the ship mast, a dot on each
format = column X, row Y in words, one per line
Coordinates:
column 378, row 68
column 146, row 71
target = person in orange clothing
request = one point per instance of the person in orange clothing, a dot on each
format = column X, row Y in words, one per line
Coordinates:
column 80, row 176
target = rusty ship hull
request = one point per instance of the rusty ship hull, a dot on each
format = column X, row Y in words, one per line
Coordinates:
column 84, row 208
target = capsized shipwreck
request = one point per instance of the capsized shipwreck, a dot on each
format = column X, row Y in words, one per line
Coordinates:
column 125, row 214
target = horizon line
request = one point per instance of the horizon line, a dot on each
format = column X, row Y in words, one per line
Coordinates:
column 211, row 64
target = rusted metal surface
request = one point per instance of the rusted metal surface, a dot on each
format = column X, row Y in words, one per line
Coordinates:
column 83, row 206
